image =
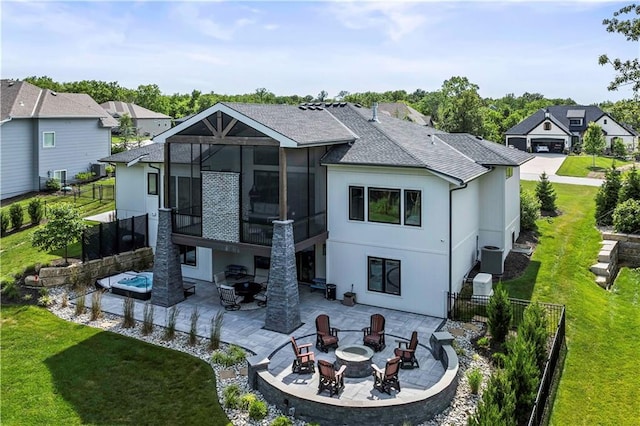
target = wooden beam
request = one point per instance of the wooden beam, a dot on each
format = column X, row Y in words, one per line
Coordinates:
column 219, row 121
column 229, row 127
column 209, row 126
column 190, row 240
column 320, row 238
column 283, row 184
column 231, row 140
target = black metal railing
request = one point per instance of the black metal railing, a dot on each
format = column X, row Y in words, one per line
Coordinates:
column 467, row 308
column 107, row 239
column 187, row 224
column 260, row 233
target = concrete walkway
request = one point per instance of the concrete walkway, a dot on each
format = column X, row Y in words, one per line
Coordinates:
column 550, row 163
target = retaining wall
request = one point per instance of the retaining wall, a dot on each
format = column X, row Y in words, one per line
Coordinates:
column 628, row 247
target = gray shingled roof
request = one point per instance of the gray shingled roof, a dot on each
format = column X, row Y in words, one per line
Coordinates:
column 118, row 108
column 403, row 111
column 485, row 152
column 305, row 127
column 152, row 153
column 24, row 100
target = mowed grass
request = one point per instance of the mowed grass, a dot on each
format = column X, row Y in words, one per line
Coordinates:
column 582, row 165
column 16, row 252
column 600, row 384
column 60, row 373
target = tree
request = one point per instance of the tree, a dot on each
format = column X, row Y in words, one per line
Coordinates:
column 630, row 189
column 533, row 328
column 593, row 141
column 64, row 227
column 498, row 403
column 126, row 129
column 500, row 314
column 342, row 94
column 322, row 96
column 628, row 72
column 626, row 217
column 529, row 210
column 546, row 194
column 607, row 197
column 522, row 373
column 618, row 148
column 459, row 108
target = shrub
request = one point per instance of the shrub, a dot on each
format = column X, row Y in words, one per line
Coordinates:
column 630, row 186
column 281, row 421
column 522, row 373
column 231, row 395
column 147, row 319
column 127, row 310
column 4, row 222
column 533, row 328
column 483, row 342
column 35, row 210
column 233, row 355
column 257, row 410
column 16, row 215
column 52, row 185
column 626, row 217
column 80, row 304
column 529, row 210
column 246, row 400
column 499, row 314
column 618, row 148
column 45, row 300
column 193, row 331
column 65, row 300
column 170, row 327
column 96, row 305
column 546, row 194
column 85, row 175
column 10, row 289
column 497, row 406
column 109, row 168
column 475, row 380
column 214, row 330
column 607, row 197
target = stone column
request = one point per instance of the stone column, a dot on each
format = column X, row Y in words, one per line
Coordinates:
column 167, row 272
column 283, row 300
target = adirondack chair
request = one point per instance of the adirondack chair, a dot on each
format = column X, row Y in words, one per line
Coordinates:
column 326, row 336
column 330, row 379
column 384, row 380
column 374, row 334
column 407, row 352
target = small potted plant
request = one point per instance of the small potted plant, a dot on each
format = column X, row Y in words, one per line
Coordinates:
column 349, row 298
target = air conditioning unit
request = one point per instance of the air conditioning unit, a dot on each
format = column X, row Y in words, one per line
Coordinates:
column 491, row 260
column 99, row 170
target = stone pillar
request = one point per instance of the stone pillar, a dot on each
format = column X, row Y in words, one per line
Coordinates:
column 167, row 272
column 283, row 300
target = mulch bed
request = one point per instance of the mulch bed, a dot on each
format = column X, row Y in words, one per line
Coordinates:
column 515, row 263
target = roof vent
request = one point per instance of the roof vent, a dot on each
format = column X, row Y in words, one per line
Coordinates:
column 311, row 107
column 433, row 139
column 328, row 104
column 11, row 83
column 54, row 93
column 302, row 107
column 345, row 104
column 374, row 117
column 546, row 113
column 319, row 108
column 358, row 105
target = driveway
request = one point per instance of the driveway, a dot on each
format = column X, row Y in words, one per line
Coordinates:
column 550, row 163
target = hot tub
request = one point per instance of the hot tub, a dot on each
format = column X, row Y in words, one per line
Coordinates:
column 137, row 285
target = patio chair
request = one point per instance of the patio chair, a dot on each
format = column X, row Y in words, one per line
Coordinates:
column 330, row 379
column 261, row 276
column 384, row 380
column 261, row 298
column 229, row 299
column 305, row 360
column 374, row 334
column 407, row 354
column 220, row 279
column 326, row 336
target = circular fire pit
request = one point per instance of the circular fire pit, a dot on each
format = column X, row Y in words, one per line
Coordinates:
column 357, row 358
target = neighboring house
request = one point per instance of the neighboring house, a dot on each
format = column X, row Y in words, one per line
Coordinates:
column 560, row 128
column 405, row 112
column 389, row 208
column 47, row 135
column 146, row 122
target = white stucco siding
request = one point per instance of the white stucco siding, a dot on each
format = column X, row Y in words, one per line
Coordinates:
column 131, row 193
column 512, row 210
column 613, row 130
column 79, row 142
column 422, row 251
column 17, row 158
column 492, row 210
column 204, row 265
column 465, row 219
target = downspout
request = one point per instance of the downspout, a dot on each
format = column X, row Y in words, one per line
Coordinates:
column 463, row 186
column 160, row 181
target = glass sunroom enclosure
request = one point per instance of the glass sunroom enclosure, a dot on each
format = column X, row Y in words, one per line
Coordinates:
column 232, row 190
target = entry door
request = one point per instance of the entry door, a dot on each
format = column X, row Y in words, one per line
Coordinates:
column 306, row 265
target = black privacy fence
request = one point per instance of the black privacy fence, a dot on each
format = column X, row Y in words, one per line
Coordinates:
column 107, row 239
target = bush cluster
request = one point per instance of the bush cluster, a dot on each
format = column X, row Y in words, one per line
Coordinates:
column 233, row 355
column 618, row 201
column 233, row 399
column 35, row 210
column 16, row 214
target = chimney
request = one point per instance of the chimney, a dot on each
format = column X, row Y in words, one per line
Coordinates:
column 546, row 113
column 374, row 108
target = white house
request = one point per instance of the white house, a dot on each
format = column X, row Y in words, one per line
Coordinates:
column 397, row 210
column 560, row 128
column 48, row 135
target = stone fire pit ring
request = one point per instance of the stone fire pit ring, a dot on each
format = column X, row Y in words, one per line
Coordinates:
column 357, row 358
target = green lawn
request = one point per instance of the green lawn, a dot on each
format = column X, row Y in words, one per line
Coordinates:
column 59, row 373
column 599, row 384
column 16, row 251
column 582, row 165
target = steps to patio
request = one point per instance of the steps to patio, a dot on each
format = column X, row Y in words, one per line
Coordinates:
column 607, row 267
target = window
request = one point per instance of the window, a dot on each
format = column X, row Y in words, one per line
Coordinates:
column 384, row 205
column 509, row 172
column 605, row 121
column 575, row 122
column 356, row 203
column 188, row 255
column 384, row 275
column 547, row 126
column 60, row 176
column 48, row 139
column 412, row 207
column 152, row 183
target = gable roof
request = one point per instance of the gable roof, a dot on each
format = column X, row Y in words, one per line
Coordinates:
column 560, row 115
column 404, row 111
column 24, row 100
column 152, row 153
column 118, row 108
column 485, row 152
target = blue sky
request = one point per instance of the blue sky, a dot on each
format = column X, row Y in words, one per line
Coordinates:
column 305, row 47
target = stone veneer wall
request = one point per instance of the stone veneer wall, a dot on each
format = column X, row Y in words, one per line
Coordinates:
column 167, row 270
column 628, row 247
column 87, row 273
column 220, row 206
column 332, row 411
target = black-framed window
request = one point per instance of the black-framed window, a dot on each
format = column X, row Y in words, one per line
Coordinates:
column 188, row 255
column 152, row 183
column 356, row 203
column 383, row 275
column 384, row 205
column 575, row 122
column 412, row 207
column 547, row 126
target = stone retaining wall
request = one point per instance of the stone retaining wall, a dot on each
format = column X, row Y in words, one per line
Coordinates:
column 87, row 273
column 329, row 411
column 628, row 247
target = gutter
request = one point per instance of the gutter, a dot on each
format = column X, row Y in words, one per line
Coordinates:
column 463, row 186
column 6, row 120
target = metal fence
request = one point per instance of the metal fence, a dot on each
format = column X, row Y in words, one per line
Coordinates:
column 81, row 189
column 107, row 239
column 467, row 308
